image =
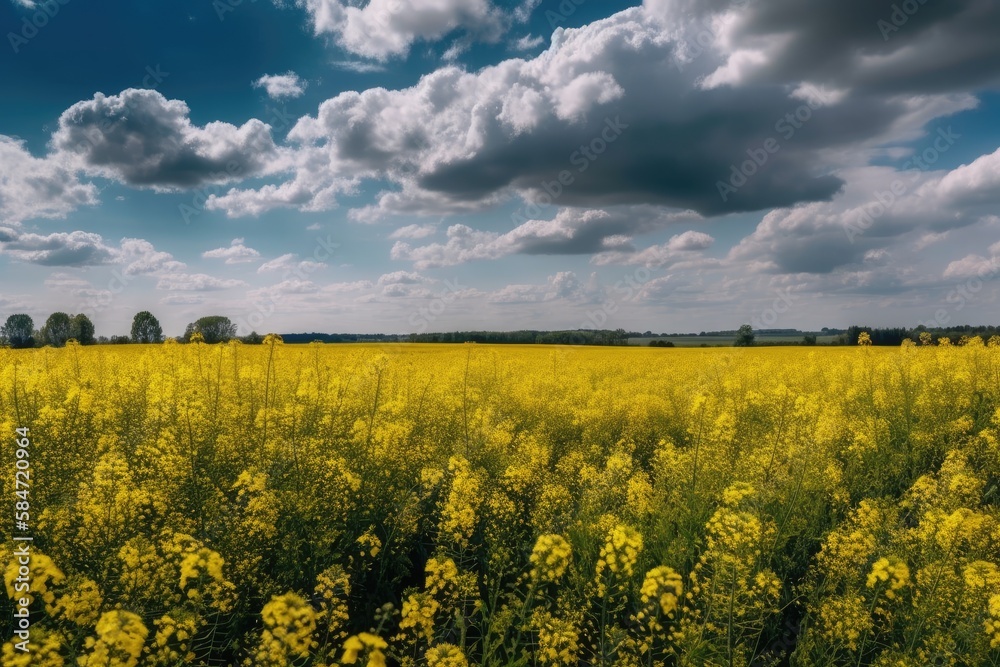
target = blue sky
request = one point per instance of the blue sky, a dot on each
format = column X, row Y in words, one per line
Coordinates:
column 395, row 165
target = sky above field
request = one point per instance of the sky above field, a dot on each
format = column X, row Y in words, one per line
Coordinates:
column 428, row 165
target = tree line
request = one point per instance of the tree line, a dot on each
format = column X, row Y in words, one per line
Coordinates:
column 60, row 328
column 894, row 336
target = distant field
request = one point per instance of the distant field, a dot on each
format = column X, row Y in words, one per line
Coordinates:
column 698, row 341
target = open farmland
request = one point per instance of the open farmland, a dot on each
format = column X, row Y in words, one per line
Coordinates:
column 466, row 504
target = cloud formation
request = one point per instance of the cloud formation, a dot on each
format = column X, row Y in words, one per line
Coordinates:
column 281, row 86
column 142, row 139
column 382, row 29
column 33, row 187
column 236, row 253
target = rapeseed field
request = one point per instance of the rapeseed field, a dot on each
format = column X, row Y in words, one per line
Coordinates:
column 453, row 505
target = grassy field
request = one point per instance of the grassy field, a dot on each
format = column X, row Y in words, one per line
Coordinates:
column 449, row 505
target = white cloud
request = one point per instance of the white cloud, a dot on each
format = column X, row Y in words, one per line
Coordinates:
column 386, row 28
column 529, row 42
column 290, row 264
column 570, row 232
column 33, row 187
column 973, row 266
column 414, row 232
column 690, row 240
column 60, row 249
column 358, row 66
column 140, row 257
column 281, row 86
column 236, row 253
column 562, row 286
column 402, row 278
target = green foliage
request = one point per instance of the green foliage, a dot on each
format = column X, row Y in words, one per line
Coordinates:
column 213, row 329
column 146, row 328
column 744, row 336
column 82, row 329
column 18, row 331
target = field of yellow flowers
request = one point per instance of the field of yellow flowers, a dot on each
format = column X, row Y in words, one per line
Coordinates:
column 473, row 505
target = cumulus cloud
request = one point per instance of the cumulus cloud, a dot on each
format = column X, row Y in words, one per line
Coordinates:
column 413, row 232
column 879, row 206
column 682, row 251
column 973, row 266
column 606, row 109
column 402, row 278
column 564, row 285
column 80, row 249
column 281, row 86
column 859, row 45
column 290, row 264
column 384, row 28
column 973, row 184
column 570, row 232
column 528, row 42
column 145, row 140
column 33, row 187
column 141, row 258
column 60, row 249
column 236, row 253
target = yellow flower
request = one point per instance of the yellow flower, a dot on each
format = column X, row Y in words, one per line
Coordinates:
column 558, row 640
column 894, row 572
column 368, row 643
column 418, row 614
column 550, row 557
column 289, row 623
column 618, row 555
column 663, row 587
column 446, row 655
column 120, row 638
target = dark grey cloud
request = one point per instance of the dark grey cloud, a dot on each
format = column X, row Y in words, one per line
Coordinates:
column 613, row 109
column 60, row 249
column 907, row 46
column 145, row 140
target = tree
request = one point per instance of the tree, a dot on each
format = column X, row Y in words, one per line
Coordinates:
column 214, row 329
column 18, row 331
column 745, row 336
column 146, row 328
column 56, row 330
column 82, row 329
column 809, row 339
column 253, row 338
